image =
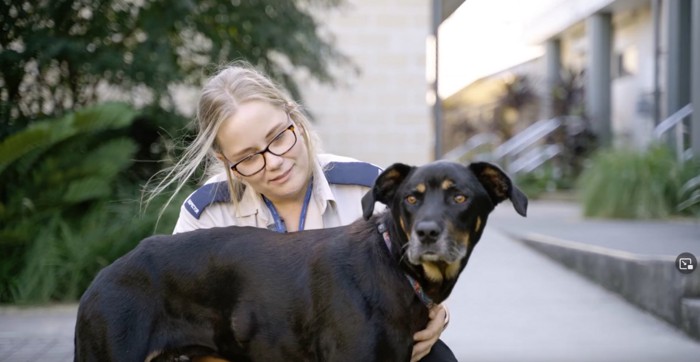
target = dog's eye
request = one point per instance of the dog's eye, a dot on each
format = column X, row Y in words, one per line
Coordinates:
column 411, row 199
column 460, row 199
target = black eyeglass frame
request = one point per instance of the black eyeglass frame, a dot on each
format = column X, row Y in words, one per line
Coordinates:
column 291, row 127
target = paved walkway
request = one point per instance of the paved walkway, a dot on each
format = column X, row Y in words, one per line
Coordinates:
column 564, row 220
column 37, row 334
column 511, row 303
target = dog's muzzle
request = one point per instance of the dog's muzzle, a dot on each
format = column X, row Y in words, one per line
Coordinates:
column 430, row 242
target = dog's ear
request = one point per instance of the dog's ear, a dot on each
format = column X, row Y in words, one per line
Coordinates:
column 384, row 187
column 499, row 186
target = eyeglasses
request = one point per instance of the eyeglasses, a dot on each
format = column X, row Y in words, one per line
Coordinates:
column 281, row 144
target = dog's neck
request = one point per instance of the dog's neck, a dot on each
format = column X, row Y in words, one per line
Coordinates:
column 417, row 287
column 434, row 292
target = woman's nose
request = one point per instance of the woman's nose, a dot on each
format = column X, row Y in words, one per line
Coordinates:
column 273, row 161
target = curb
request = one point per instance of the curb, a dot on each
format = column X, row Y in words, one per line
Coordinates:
column 650, row 282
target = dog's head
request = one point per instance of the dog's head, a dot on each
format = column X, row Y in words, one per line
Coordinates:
column 442, row 209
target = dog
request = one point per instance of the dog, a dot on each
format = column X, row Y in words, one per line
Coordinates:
column 352, row 293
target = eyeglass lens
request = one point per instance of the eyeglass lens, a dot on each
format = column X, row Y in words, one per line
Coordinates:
column 278, row 147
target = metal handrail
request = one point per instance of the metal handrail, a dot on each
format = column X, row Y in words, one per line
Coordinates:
column 672, row 121
column 526, row 137
column 534, row 158
column 675, row 121
column 513, row 146
column 472, row 143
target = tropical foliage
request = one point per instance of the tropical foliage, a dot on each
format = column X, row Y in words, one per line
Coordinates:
column 67, row 205
column 72, row 164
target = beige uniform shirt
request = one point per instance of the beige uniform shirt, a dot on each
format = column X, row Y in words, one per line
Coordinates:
column 338, row 187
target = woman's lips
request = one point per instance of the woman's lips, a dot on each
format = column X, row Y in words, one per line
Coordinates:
column 283, row 177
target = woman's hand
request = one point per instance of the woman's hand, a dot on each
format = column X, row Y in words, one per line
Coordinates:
column 425, row 339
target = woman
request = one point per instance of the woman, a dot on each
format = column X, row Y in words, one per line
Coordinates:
column 265, row 171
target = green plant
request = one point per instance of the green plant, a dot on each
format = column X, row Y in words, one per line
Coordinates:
column 66, row 254
column 689, row 193
column 62, row 162
column 57, row 54
column 631, row 184
column 68, row 206
column 690, row 196
column 537, row 182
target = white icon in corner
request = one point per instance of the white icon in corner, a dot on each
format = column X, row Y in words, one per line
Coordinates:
column 685, row 264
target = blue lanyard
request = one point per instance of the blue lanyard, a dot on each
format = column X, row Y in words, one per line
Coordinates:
column 279, row 223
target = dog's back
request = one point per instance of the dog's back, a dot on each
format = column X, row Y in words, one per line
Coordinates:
column 235, row 292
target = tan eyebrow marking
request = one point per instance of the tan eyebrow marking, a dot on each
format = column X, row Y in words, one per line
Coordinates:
column 447, row 184
column 420, row 187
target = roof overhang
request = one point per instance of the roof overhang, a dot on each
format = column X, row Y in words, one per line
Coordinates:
column 448, row 7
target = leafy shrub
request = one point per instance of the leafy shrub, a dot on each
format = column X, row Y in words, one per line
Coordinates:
column 689, row 194
column 67, row 205
column 65, row 254
column 544, row 180
column 631, row 184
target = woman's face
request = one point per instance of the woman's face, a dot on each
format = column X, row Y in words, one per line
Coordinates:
column 255, row 126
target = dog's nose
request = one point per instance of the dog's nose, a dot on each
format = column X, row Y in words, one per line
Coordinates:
column 428, row 231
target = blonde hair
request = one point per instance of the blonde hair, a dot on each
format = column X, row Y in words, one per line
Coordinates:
column 222, row 94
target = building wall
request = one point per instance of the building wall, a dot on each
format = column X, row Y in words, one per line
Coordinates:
column 633, row 82
column 632, row 66
column 636, row 66
column 573, row 47
column 379, row 115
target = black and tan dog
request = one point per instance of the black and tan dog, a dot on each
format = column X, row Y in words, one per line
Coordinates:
column 339, row 294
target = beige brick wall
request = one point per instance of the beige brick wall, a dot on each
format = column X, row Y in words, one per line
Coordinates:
column 380, row 115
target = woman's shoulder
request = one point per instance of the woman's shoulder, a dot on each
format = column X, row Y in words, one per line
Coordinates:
column 340, row 170
column 349, row 180
column 214, row 190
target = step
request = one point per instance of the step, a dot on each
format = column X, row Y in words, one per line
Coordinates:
column 690, row 313
column 650, row 282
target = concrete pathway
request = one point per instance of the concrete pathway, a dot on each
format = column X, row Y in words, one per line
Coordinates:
column 513, row 304
column 37, row 334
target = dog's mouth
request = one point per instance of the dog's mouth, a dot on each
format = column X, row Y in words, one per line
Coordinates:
column 443, row 250
column 439, row 269
column 430, row 257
